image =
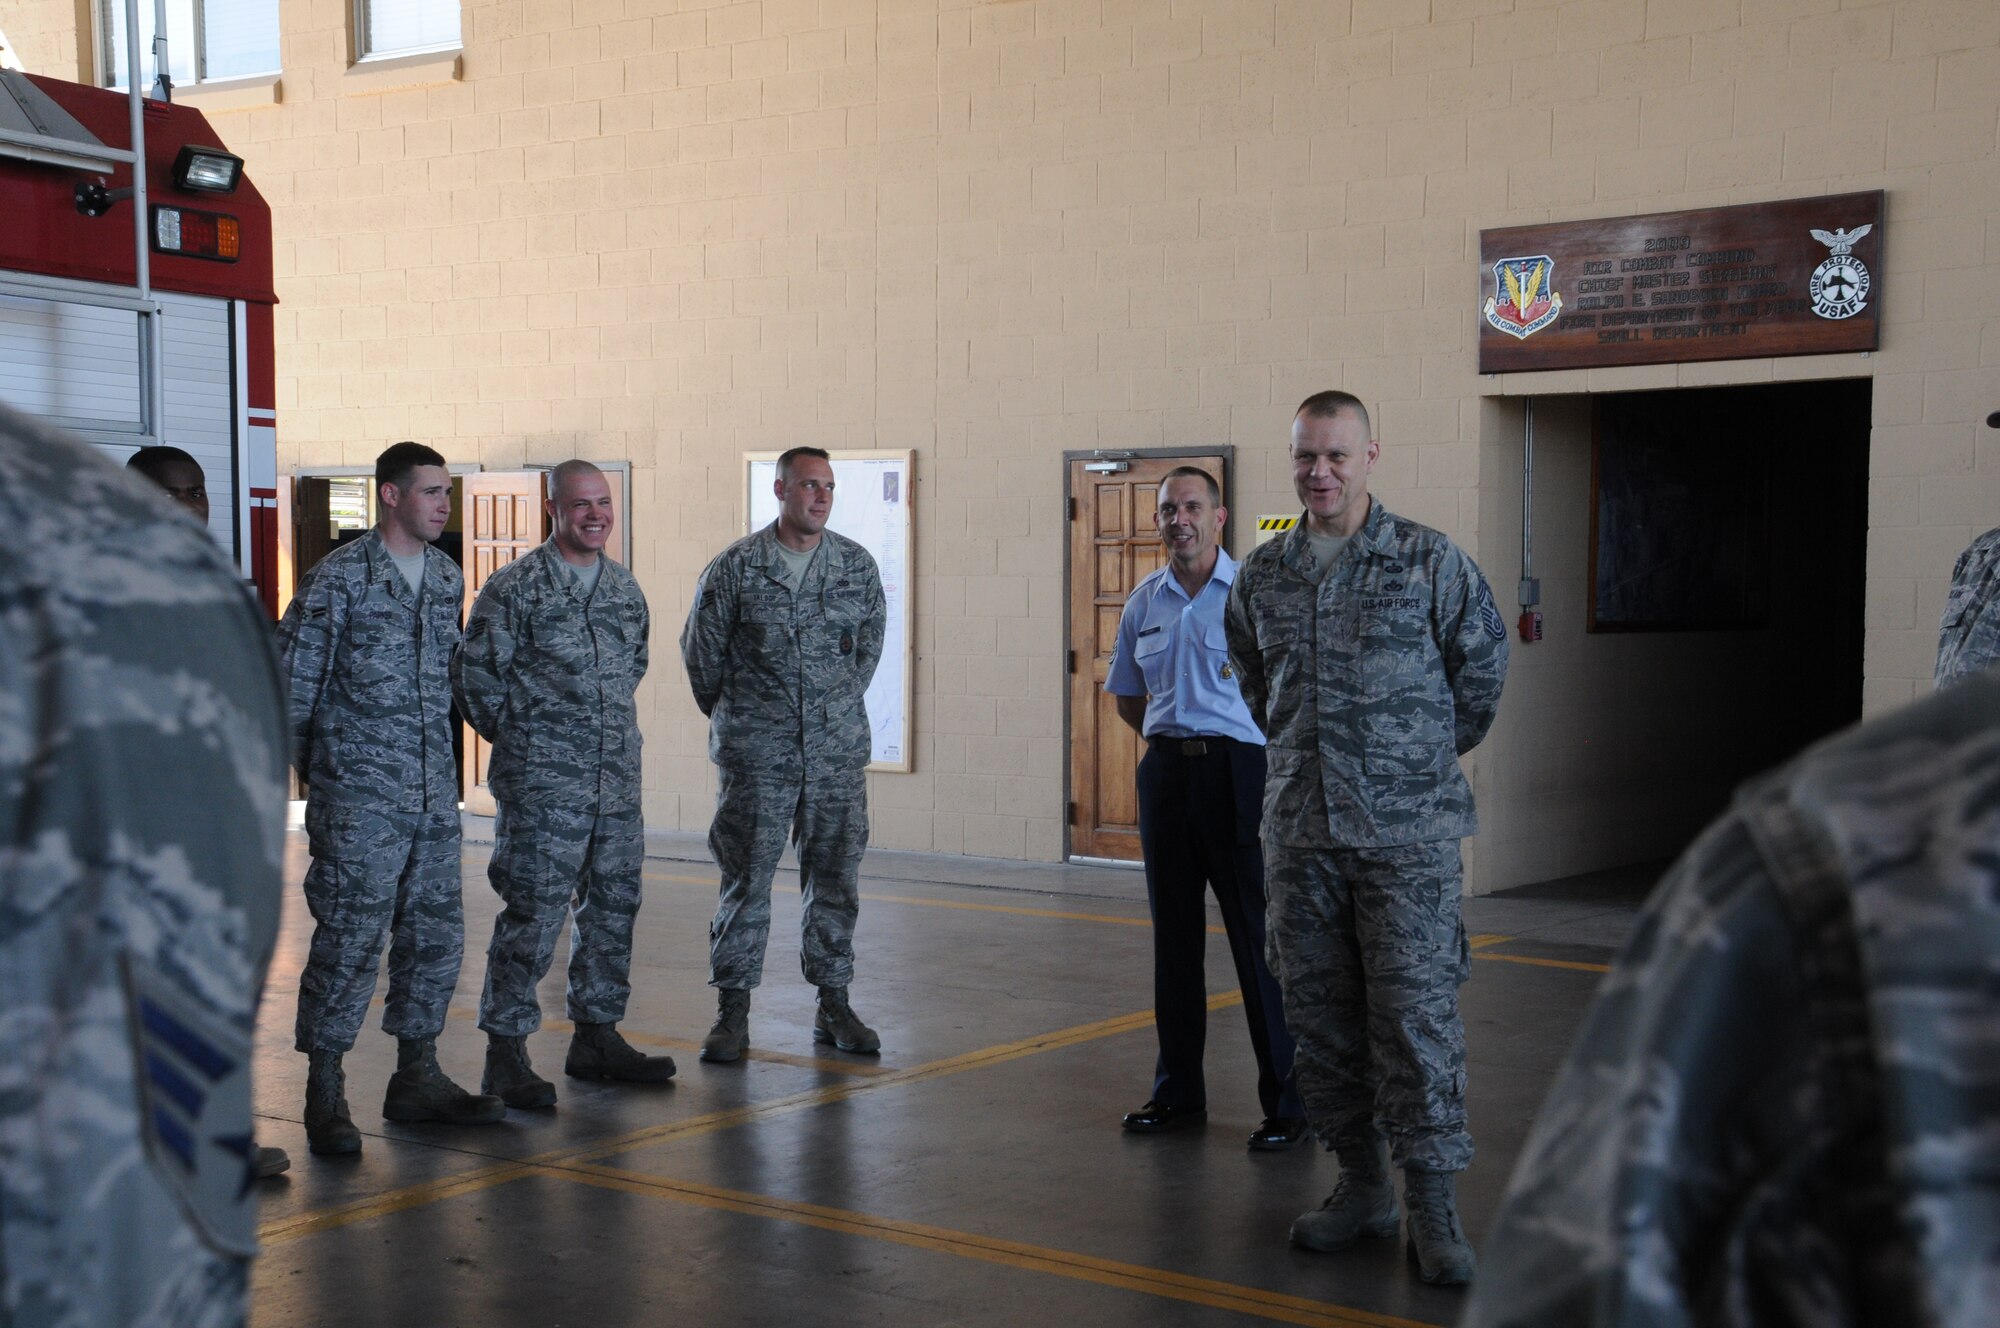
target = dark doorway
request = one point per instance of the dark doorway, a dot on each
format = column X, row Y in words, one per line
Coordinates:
column 1741, row 513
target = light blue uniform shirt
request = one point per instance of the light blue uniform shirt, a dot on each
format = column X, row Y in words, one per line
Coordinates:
column 1171, row 649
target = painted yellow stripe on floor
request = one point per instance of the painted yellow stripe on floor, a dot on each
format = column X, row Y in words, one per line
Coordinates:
column 1478, row 943
column 283, row 1230
column 865, row 1069
column 1017, row 910
column 1575, row 965
column 1006, row 1253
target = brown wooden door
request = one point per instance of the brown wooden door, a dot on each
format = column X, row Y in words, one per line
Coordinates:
column 503, row 519
column 1113, row 544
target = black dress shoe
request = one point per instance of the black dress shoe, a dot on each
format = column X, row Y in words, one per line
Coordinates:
column 1278, row 1133
column 1154, row 1118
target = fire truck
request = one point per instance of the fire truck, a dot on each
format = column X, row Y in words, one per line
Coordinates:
column 136, row 296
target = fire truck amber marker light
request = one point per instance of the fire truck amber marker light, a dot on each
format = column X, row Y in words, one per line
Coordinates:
column 207, row 170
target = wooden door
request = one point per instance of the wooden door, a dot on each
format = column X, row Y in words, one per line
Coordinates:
column 503, row 519
column 1113, row 544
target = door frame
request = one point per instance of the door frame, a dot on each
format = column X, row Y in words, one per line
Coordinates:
column 288, row 549
column 1227, row 451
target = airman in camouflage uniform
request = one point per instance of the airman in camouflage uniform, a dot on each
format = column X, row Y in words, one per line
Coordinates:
column 785, row 632
column 547, row 673
column 1371, row 669
column 142, row 745
column 1969, row 637
column 180, row 477
column 1781, row 1107
column 366, row 650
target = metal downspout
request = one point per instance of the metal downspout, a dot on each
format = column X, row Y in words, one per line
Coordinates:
column 1531, row 589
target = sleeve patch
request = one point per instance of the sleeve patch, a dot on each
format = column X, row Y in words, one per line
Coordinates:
column 1489, row 615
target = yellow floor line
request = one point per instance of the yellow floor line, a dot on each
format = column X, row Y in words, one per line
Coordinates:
column 864, row 1068
column 1015, row 909
column 1478, row 943
column 1006, row 1253
column 283, row 1230
column 1576, row 965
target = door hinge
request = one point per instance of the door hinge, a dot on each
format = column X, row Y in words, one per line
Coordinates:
column 1072, row 661
column 1072, row 508
column 1071, row 813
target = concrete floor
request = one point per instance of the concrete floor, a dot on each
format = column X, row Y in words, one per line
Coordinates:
column 974, row 1174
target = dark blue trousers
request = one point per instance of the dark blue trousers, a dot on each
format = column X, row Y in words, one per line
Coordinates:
column 1198, row 823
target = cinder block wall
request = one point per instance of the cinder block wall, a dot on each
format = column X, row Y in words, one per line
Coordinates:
column 994, row 231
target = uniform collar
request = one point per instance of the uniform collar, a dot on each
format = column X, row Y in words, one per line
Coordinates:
column 772, row 561
column 382, row 566
column 1223, row 575
column 1373, row 537
column 558, row 570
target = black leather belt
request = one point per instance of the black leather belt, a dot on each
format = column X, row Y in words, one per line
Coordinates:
column 1192, row 746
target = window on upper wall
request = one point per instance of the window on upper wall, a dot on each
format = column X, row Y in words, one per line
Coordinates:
column 387, row 28
column 208, row 41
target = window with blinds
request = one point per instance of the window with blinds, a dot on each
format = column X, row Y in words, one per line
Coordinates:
column 406, row 27
column 208, row 41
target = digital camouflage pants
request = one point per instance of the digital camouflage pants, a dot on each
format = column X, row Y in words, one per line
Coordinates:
column 548, row 864
column 379, row 877
column 1370, row 950
column 754, row 816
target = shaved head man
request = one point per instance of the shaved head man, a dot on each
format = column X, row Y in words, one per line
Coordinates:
column 553, row 654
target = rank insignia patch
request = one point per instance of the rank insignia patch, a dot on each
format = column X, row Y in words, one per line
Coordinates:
column 1524, row 299
column 193, row 1066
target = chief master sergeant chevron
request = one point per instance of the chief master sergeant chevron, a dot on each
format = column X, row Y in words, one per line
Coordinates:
column 366, row 648
column 1371, row 654
column 784, row 635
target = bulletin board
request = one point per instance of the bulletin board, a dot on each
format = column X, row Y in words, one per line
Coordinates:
column 873, row 505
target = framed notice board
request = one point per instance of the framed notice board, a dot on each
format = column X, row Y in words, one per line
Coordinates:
column 873, row 505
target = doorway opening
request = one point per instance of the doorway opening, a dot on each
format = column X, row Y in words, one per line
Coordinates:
column 1701, row 554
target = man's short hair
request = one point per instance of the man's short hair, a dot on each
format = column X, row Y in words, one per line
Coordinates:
column 791, row 454
column 400, row 460
column 1324, row 405
column 1195, row 473
column 150, row 461
column 563, row 473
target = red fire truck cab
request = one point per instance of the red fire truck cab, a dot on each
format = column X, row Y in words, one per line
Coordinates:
column 179, row 353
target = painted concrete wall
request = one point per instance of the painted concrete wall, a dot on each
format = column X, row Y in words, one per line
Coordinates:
column 994, row 231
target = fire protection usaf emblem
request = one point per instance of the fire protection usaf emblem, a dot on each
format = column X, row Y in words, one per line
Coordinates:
column 1524, row 299
column 1839, row 286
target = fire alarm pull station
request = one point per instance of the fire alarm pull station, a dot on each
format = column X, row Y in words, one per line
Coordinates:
column 1531, row 617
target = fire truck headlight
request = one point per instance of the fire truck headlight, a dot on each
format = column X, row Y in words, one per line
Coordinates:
column 207, row 170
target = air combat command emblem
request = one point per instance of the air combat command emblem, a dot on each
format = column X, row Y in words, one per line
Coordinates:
column 1524, row 299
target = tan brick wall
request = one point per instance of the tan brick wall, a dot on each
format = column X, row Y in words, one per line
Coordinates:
column 995, row 231
column 49, row 37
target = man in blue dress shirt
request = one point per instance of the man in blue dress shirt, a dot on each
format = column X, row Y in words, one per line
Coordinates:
column 1201, row 797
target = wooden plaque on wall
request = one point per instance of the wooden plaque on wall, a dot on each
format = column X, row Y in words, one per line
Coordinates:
column 1802, row 276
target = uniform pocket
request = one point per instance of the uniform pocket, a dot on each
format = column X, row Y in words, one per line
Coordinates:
column 1155, row 661
column 1294, row 801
